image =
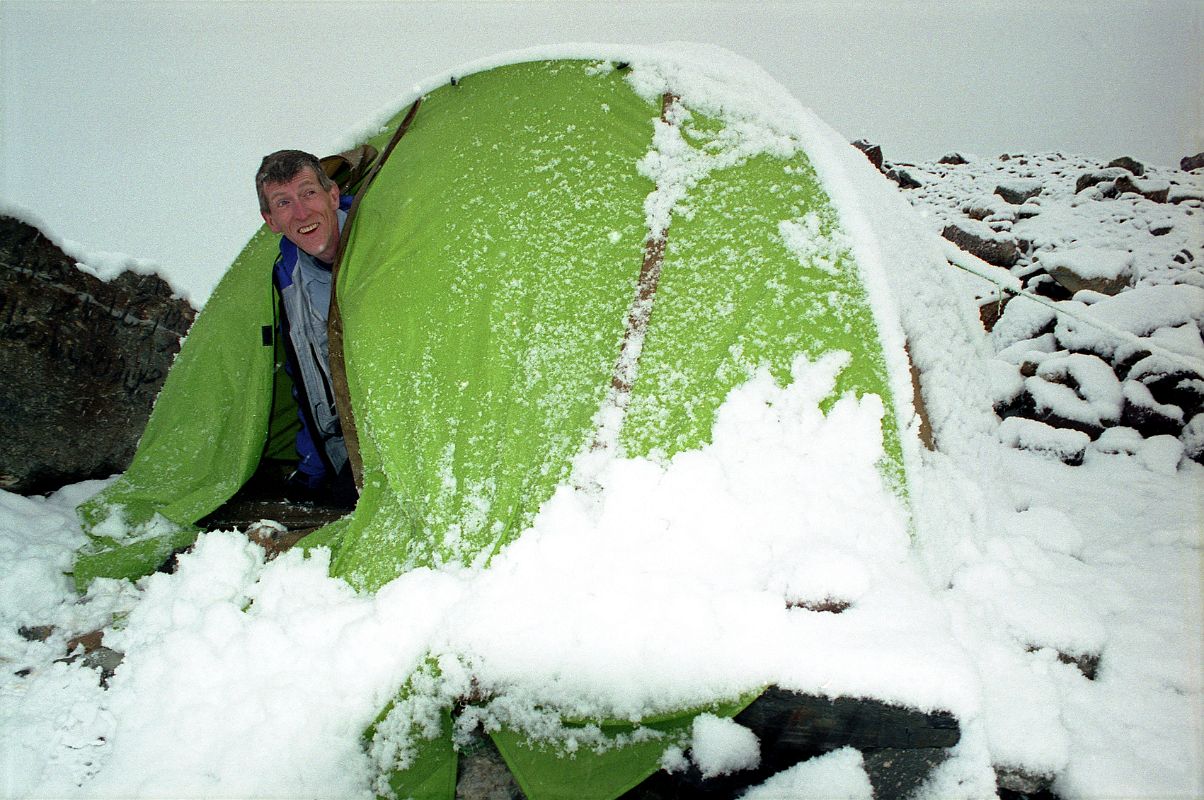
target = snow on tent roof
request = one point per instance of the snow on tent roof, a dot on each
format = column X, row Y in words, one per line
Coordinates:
column 506, row 338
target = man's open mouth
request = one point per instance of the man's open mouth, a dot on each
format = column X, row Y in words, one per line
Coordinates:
column 308, row 229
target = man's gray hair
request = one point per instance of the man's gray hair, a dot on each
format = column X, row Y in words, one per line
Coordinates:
column 284, row 165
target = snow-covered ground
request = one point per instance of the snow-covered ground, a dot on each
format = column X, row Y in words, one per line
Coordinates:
column 1054, row 609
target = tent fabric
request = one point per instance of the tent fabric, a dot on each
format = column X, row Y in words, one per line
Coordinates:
column 205, row 434
column 485, row 290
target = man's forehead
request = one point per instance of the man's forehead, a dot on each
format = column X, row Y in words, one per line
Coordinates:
column 303, row 178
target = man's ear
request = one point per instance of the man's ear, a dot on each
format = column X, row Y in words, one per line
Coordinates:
column 272, row 226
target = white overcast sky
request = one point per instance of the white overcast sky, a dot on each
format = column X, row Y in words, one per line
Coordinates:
column 123, row 121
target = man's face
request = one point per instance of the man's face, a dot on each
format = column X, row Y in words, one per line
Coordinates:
column 305, row 213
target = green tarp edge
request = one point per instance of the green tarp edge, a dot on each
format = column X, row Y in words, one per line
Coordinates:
column 205, row 434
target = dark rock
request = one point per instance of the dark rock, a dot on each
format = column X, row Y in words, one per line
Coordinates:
column 788, row 723
column 1189, row 163
column 1126, row 359
column 991, row 312
column 1017, row 193
column 899, row 773
column 953, row 158
column 1019, row 406
column 1089, row 179
column 977, row 212
column 1161, row 230
column 1086, row 663
column 1124, row 184
column 1020, row 783
column 1124, row 162
column 872, row 151
column 900, row 746
column 1149, row 421
column 1176, row 389
column 35, row 633
column 1053, row 419
column 903, row 178
column 1000, row 252
column 1044, row 285
column 1073, row 282
column 828, row 605
column 1183, row 256
column 82, row 362
column 793, row 727
column 88, row 650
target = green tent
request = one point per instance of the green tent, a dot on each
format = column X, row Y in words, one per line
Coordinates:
column 514, row 293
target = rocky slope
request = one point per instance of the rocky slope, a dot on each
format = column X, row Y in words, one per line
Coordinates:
column 1109, row 354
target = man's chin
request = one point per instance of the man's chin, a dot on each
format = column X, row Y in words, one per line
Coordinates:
column 315, row 252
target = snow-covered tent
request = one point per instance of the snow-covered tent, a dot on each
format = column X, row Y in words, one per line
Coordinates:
column 562, row 262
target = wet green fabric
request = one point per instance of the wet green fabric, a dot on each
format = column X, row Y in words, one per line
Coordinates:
column 484, row 290
column 205, row 434
column 547, row 773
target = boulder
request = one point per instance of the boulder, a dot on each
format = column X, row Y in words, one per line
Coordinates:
column 1017, row 192
column 1067, row 446
column 1189, row 163
column 1088, row 268
column 1147, row 417
column 81, row 362
column 1176, row 388
column 903, row 178
column 1000, row 251
column 977, row 210
column 1089, row 179
column 900, row 746
column 872, row 151
column 955, row 159
column 1154, row 192
column 1014, row 782
column 1132, row 165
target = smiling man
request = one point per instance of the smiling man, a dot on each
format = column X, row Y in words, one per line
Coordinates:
column 298, row 201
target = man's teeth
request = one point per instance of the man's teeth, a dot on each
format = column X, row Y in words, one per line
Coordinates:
column 308, row 228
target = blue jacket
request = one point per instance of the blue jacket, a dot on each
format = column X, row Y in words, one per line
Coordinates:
column 320, row 446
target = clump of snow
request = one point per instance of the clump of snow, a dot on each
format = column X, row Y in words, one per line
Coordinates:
column 1005, row 380
column 1025, row 319
column 1161, row 454
column 721, row 746
column 1138, row 312
column 1077, row 387
column 1193, row 436
column 1119, row 440
column 838, row 775
column 1031, row 434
